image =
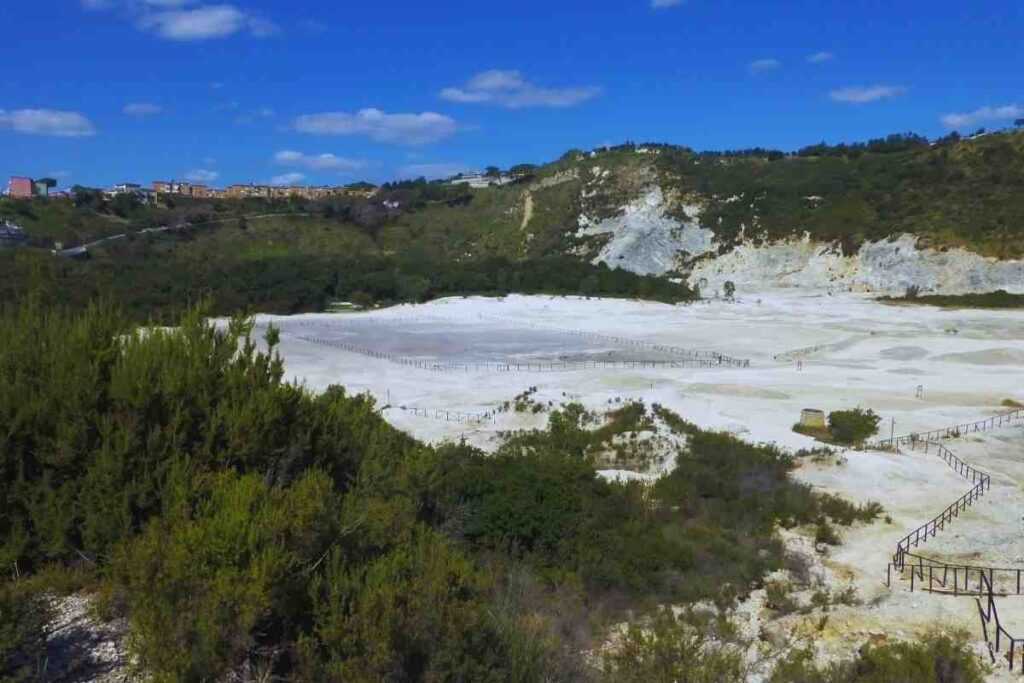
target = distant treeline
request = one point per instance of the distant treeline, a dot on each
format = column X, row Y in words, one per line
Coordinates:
column 997, row 299
column 154, row 288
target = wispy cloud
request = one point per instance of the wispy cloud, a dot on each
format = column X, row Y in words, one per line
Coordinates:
column 865, row 94
column 204, row 22
column 318, row 162
column 509, row 89
column 188, row 20
column 982, row 115
column 142, row 109
column 820, row 57
column 68, row 124
column 201, row 175
column 760, row 66
column 287, row 179
column 665, row 4
column 433, row 171
column 403, row 129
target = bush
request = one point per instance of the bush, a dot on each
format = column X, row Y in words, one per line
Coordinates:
column 199, row 581
column 24, row 615
column 417, row 613
column 669, row 651
column 936, row 658
column 850, row 427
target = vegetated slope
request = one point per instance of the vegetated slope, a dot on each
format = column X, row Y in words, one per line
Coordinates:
column 238, row 521
column 883, row 215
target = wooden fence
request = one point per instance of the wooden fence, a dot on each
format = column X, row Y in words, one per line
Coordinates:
column 626, row 341
column 933, row 575
column 718, row 359
column 512, row 366
column 994, row 422
column 448, row 415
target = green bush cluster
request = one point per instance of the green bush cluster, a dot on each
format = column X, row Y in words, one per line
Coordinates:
column 155, row 287
column 851, row 427
column 997, row 299
column 935, row 658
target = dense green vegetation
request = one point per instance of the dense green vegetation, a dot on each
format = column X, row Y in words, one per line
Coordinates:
column 418, row 239
column 997, row 299
column 845, row 427
column 235, row 518
column 937, row 658
column 154, row 288
column 850, row 427
column 954, row 192
column 672, row 649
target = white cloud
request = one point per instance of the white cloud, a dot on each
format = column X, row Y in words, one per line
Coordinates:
column 201, row 175
column 287, row 179
column 979, row 116
column 405, row 129
column 759, row 66
column 69, row 124
column 865, row 94
column 820, row 57
column 433, row 171
column 177, row 20
column 665, row 4
column 509, row 89
column 142, row 109
column 318, row 162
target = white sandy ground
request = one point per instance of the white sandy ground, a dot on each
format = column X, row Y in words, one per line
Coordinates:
column 966, row 361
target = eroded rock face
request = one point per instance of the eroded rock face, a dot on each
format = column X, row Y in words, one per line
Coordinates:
column 888, row 266
column 645, row 240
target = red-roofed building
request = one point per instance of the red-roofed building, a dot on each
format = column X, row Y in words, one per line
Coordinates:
column 21, row 187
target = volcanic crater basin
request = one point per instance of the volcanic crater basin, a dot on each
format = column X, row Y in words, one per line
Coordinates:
column 857, row 367
column 919, row 368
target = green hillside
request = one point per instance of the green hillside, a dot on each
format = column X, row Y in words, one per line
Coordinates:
column 418, row 239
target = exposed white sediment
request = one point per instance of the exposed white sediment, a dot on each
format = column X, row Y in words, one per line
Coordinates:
column 646, row 240
column 888, row 266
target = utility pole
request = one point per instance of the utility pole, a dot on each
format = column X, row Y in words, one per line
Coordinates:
column 892, row 433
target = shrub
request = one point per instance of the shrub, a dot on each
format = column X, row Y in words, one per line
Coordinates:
column 935, row 658
column 199, row 581
column 669, row 651
column 417, row 613
column 24, row 615
column 826, row 533
column 851, row 427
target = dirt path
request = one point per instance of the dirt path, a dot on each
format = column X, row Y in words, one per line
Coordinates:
column 527, row 210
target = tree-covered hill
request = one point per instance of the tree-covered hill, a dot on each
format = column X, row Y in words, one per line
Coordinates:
column 417, row 239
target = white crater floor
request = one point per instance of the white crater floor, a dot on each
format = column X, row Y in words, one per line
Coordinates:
column 876, row 356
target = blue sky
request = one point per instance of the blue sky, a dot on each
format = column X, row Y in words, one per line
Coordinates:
column 104, row 91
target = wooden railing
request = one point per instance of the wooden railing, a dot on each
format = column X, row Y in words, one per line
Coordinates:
column 712, row 358
column 994, row 422
column 982, row 482
column 511, row 366
column 933, row 575
column 999, row 636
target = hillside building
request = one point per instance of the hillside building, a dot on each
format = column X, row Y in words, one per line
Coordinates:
column 21, row 187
